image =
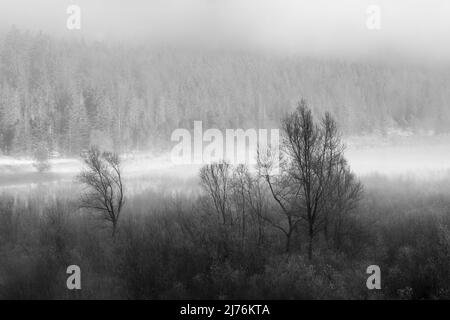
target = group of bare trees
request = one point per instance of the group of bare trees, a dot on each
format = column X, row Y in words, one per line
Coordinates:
column 312, row 191
column 237, row 202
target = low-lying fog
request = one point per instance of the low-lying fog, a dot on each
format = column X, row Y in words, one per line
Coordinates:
column 424, row 157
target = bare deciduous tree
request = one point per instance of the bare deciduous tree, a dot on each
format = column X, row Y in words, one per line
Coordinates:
column 317, row 166
column 239, row 186
column 215, row 179
column 238, row 199
column 103, row 178
column 314, row 182
column 252, row 195
column 345, row 192
column 282, row 189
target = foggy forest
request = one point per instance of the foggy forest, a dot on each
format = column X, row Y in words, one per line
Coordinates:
column 86, row 178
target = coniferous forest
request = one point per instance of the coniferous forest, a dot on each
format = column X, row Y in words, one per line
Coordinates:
column 70, row 94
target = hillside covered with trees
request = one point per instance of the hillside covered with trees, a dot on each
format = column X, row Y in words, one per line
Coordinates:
column 68, row 94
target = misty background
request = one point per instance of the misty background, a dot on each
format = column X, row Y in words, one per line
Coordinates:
column 414, row 28
column 138, row 70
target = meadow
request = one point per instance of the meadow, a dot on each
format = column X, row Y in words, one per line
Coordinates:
column 168, row 247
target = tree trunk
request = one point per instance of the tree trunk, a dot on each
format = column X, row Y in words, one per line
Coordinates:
column 114, row 229
column 260, row 234
column 243, row 229
column 326, row 234
column 288, row 242
column 310, row 245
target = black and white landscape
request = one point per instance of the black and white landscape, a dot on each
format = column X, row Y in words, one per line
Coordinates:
column 251, row 149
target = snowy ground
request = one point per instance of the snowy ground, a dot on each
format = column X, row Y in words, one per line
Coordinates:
column 418, row 156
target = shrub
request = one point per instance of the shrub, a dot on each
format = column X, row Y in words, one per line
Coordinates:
column 41, row 159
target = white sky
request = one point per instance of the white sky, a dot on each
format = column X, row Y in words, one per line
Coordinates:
column 414, row 27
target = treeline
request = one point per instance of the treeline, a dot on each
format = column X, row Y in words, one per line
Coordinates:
column 308, row 231
column 68, row 94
